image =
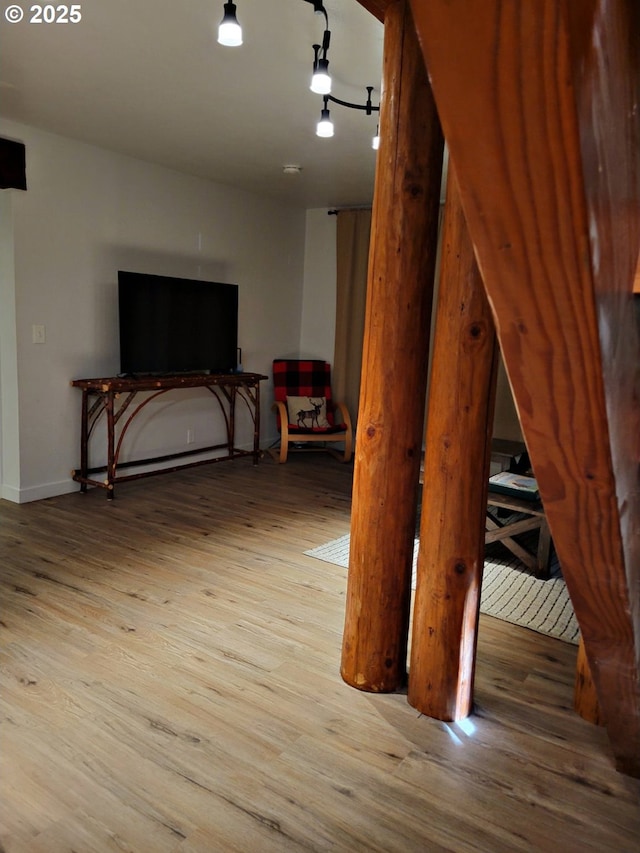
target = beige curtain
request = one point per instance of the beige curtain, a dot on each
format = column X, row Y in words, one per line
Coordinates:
column 353, row 233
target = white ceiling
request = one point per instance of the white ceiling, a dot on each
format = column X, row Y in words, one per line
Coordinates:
column 148, row 78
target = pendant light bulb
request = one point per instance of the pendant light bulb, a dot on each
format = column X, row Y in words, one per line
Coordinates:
column 229, row 30
column 375, row 142
column 325, row 125
column 321, row 81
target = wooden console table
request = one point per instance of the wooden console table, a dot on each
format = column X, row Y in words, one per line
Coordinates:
column 114, row 397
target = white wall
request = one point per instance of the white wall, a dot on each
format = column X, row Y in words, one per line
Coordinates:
column 506, row 423
column 9, row 462
column 87, row 213
column 318, row 329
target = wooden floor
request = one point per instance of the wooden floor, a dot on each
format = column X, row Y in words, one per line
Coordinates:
column 170, row 682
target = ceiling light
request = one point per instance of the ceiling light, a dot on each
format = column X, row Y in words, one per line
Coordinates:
column 229, row 30
column 321, row 81
column 325, row 125
column 291, row 169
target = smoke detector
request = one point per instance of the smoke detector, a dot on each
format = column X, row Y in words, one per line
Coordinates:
column 291, row 169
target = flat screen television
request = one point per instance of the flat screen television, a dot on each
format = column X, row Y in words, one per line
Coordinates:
column 176, row 325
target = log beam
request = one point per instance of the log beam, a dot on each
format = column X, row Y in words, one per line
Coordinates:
column 539, row 106
column 378, row 8
column 456, row 472
column 394, row 366
column 585, row 697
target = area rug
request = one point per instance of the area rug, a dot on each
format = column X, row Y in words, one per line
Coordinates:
column 509, row 592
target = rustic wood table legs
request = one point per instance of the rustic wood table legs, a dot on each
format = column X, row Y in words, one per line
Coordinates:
column 530, row 517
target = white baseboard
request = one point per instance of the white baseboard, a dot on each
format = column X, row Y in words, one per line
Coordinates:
column 39, row 493
column 65, row 487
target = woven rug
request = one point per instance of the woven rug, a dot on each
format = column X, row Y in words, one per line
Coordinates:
column 509, row 592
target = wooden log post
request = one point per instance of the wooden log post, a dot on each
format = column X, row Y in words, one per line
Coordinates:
column 394, row 371
column 585, row 696
column 539, row 106
column 456, row 471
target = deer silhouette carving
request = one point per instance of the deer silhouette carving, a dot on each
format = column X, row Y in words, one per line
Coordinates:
column 309, row 414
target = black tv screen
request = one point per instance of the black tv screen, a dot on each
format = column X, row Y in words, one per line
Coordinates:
column 176, row 325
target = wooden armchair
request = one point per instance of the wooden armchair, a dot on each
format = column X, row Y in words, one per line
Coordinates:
column 305, row 410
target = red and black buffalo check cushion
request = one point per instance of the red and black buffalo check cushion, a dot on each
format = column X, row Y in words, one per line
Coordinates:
column 304, row 378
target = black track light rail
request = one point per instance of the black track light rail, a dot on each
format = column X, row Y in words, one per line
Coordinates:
column 368, row 107
column 319, row 9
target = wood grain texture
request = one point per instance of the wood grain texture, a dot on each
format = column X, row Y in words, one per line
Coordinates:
column 394, row 366
column 539, row 106
column 377, row 7
column 169, row 681
column 585, row 697
column 456, row 472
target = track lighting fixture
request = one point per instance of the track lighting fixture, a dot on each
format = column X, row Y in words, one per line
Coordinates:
column 325, row 125
column 229, row 30
column 320, row 79
column 230, row 35
column 325, row 121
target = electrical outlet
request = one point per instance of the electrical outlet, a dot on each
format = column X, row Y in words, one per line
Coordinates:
column 190, row 436
column 38, row 335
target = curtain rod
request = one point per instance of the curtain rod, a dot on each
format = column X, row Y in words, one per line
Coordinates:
column 338, row 210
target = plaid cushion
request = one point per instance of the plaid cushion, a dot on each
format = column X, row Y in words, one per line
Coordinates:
column 304, row 378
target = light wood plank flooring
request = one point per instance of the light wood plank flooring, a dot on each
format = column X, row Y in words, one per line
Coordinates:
column 170, row 682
